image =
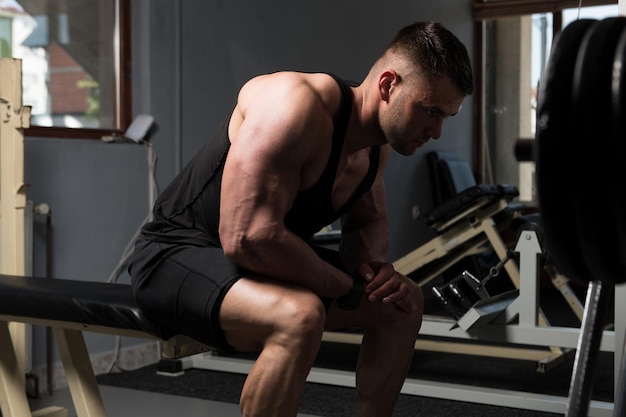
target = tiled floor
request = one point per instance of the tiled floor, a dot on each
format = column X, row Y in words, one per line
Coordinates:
column 122, row 402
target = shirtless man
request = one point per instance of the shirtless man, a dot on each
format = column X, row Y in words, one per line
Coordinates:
column 228, row 260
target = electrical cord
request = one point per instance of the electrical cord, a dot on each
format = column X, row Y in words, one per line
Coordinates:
column 128, row 250
column 152, row 193
column 580, row 6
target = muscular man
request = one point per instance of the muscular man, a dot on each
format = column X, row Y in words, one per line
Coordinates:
column 227, row 259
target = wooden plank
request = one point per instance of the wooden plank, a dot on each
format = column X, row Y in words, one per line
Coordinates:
column 14, row 118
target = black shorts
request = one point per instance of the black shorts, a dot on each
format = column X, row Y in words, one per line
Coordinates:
column 181, row 287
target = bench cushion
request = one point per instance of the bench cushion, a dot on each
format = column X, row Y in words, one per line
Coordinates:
column 87, row 302
column 483, row 192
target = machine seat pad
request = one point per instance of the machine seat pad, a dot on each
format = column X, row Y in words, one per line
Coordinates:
column 87, row 302
column 486, row 193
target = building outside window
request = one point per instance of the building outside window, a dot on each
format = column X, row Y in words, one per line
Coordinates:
column 70, row 52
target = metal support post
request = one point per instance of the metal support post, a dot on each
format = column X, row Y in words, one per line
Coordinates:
column 581, row 386
column 525, row 307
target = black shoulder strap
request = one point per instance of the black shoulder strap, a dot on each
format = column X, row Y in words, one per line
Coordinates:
column 341, row 125
column 367, row 181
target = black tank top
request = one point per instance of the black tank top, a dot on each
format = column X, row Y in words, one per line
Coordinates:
column 187, row 211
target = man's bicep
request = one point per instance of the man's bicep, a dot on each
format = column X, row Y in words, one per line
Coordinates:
column 262, row 176
column 255, row 184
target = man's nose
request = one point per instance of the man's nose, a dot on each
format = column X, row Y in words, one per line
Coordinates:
column 434, row 130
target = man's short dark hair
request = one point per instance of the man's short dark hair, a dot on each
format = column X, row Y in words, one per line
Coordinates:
column 436, row 51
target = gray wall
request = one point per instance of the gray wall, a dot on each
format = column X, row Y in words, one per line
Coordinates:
column 217, row 46
column 189, row 60
column 98, row 195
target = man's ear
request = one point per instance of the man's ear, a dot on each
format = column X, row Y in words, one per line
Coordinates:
column 386, row 81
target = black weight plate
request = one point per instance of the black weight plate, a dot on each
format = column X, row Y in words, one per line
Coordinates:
column 553, row 153
column 594, row 175
column 618, row 147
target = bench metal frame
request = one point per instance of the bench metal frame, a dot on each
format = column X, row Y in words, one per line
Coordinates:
column 78, row 369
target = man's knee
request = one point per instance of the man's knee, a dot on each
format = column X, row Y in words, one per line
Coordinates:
column 412, row 323
column 301, row 319
column 419, row 295
column 416, row 318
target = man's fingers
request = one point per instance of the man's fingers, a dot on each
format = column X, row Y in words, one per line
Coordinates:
column 383, row 275
column 365, row 272
column 388, row 287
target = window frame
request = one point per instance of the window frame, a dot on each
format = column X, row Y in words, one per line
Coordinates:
column 124, row 99
column 492, row 9
column 484, row 10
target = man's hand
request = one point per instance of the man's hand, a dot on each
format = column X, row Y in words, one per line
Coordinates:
column 385, row 284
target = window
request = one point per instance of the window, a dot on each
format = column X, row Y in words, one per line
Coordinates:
column 516, row 45
column 73, row 53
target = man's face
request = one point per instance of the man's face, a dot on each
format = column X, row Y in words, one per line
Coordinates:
column 416, row 112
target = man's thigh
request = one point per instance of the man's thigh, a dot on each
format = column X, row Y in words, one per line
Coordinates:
column 185, row 288
column 255, row 309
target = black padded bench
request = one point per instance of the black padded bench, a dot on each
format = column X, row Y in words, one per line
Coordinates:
column 468, row 200
column 71, row 307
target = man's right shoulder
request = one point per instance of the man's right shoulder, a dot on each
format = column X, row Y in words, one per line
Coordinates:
column 279, row 81
column 296, row 90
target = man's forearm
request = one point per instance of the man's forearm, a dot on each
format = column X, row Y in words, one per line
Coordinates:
column 365, row 244
column 290, row 259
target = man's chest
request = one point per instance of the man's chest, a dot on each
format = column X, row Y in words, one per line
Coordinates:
column 350, row 173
